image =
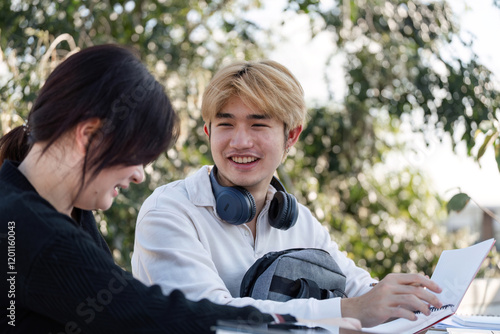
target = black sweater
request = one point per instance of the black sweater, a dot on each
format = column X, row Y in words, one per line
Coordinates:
column 58, row 276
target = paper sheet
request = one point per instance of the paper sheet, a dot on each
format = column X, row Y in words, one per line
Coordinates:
column 454, row 272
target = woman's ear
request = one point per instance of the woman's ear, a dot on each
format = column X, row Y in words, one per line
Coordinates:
column 84, row 131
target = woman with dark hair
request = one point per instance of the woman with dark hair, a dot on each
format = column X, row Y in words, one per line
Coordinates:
column 99, row 118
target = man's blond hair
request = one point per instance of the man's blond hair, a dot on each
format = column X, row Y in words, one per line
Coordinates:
column 266, row 85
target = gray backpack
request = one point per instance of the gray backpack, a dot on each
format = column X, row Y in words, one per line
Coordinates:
column 294, row 273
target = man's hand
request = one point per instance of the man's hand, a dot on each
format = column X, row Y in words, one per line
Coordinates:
column 396, row 296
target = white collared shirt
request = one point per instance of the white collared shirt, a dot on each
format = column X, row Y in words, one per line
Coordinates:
column 181, row 243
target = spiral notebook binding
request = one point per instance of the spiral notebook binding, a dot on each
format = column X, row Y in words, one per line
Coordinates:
column 434, row 309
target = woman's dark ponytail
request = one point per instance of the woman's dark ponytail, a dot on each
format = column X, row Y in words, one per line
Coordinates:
column 14, row 145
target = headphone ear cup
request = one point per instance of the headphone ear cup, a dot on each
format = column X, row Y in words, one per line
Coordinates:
column 283, row 211
column 235, row 205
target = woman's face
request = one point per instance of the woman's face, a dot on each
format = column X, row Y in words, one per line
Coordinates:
column 101, row 191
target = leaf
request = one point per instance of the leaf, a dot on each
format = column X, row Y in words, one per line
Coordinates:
column 487, row 141
column 458, row 202
column 497, row 154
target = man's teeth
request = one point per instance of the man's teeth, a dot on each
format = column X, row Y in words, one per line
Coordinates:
column 244, row 160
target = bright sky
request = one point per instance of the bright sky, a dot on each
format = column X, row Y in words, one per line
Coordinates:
column 446, row 170
column 481, row 19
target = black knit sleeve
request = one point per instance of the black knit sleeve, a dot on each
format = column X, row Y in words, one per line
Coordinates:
column 89, row 225
column 77, row 285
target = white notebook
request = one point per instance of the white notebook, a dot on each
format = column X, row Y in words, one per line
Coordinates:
column 478, row 321
column 454, row 272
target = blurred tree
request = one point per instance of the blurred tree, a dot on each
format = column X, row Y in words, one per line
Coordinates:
column 407, row 57
column 385, row 221
column 401, row 62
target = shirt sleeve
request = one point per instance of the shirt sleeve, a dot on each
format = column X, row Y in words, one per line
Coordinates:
column 76, row 284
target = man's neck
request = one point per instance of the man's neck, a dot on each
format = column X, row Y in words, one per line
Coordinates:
column 260, row 201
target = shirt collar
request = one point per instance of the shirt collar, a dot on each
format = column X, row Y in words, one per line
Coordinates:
column 10, row 171
column 199, row 188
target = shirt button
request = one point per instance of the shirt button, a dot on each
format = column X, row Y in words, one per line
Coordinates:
column 247, row 233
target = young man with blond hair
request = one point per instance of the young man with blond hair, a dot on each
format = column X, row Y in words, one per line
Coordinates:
column 186, row 239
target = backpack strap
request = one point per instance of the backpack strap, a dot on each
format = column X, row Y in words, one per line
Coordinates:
column 302, row 288
column 327, row 294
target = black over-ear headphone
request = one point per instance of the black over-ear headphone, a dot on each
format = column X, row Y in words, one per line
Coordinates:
column 236, row 205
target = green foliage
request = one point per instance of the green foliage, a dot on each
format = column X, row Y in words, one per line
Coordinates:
column 399, row 62
column 400, row 58
column 458, row 202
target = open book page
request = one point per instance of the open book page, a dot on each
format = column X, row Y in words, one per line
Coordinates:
column 454, row 272
column 457, row 268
